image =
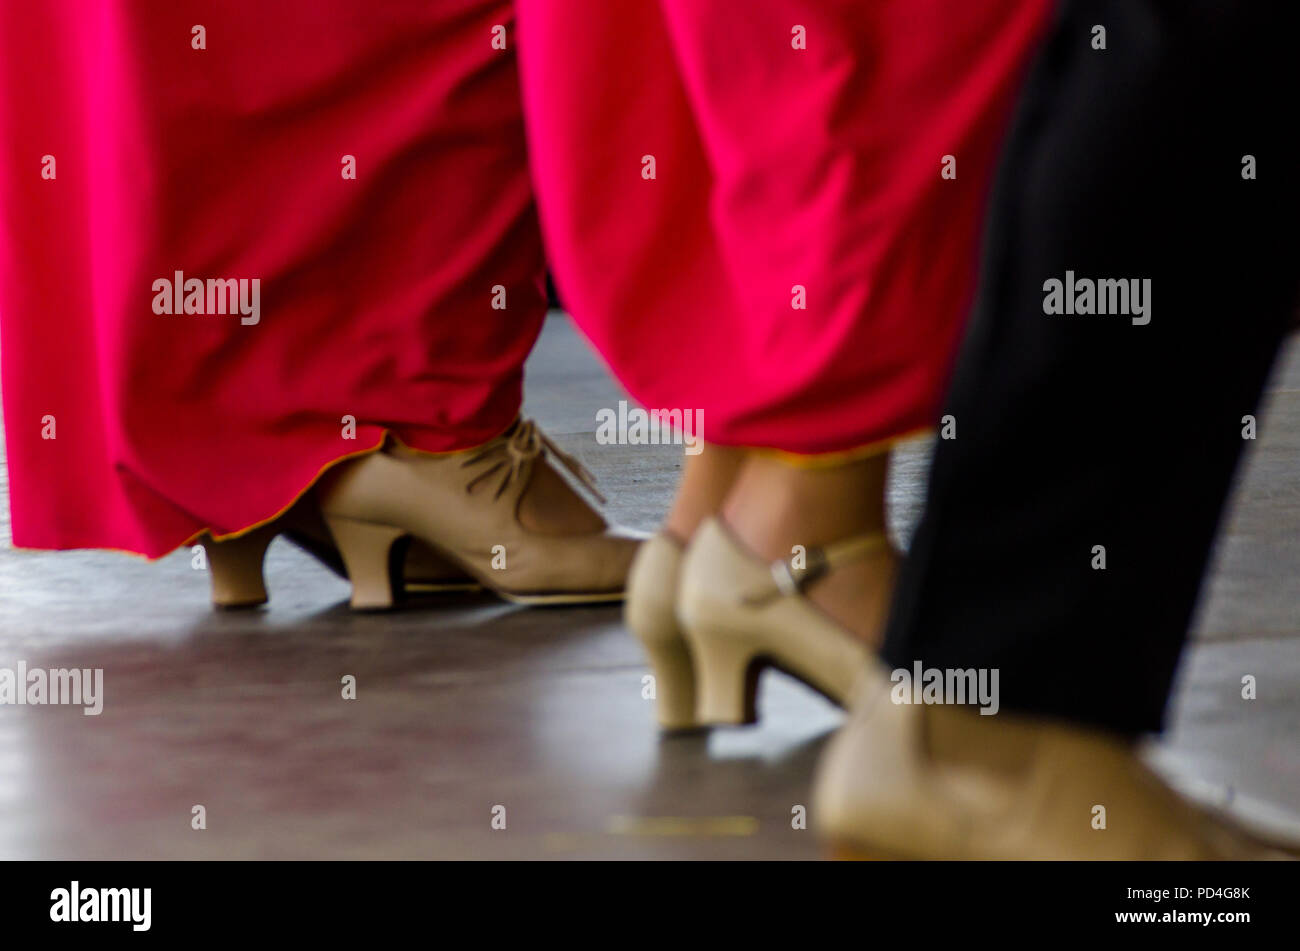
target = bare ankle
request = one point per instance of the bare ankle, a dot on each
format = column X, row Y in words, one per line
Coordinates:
column 777, row 509
column 857, row 595
column 775, row 505
column 706, row 480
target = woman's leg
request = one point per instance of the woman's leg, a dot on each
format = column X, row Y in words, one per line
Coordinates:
column 830, row 184
column 776, row 506
column 707, row 478
column 779, row 229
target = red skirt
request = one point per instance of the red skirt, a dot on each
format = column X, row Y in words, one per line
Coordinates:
column 362, row 162
column 769, row 212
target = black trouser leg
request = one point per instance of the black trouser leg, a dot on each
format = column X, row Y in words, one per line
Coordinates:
column 1082, row 431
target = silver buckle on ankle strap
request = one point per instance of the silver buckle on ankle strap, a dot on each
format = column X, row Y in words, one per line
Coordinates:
column 792, row 580
column 817, row 561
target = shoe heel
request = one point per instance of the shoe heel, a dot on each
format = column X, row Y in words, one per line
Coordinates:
column 235, row 568
column 727, row 675
column 674, row 674
column 372, row 560
column 650, row 614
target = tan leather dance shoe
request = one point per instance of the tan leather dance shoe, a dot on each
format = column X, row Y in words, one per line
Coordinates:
column 944, row 782
column 740, row 615
column 465, row 506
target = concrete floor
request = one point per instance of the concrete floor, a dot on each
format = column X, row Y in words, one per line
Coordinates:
column 471, row 704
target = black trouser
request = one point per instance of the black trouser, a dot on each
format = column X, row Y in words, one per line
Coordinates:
column 1079, row 431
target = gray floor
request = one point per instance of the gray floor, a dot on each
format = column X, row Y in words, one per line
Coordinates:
column 476, row 704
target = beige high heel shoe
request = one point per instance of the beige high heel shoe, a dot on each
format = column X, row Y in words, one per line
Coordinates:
column 740, row 615
column 942, row 782
column 465, row 507
column 651, row 614
column 235, row 564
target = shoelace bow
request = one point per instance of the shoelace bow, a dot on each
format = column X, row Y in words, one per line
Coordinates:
column 513, row 456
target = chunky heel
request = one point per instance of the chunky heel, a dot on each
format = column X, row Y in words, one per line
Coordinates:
column 674, row 673
column 727, row 672
column 235, row 568
column 650, row 614
column 372, row 558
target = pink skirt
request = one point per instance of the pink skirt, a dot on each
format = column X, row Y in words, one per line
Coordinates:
column 240, row 241
column 769, row 211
